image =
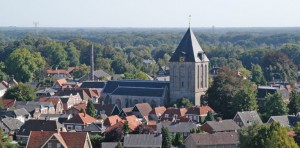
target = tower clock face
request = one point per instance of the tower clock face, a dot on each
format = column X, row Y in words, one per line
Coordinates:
column 181, row 59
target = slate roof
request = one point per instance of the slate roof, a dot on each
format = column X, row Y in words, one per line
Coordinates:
column 113, row 85
column 15, row 112
column 223, row 125
column 108, row 108
column 109, row 144
column 286, row 120
column 46, row 90
column 174, row 127
column 143, row 140
column 144, row 108
column 92, row 84
column 189, row 48
column 221, row 138
column 39, row 125
column 138, row 91
column 94, row 127
column 11, row 123
column 249, row 117
column 199, row 110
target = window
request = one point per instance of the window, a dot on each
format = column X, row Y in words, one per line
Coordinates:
column 195, row 117
column 166, row 115
column 175, row 116
column 58, row 145
column 69, row 127
column 49, row 145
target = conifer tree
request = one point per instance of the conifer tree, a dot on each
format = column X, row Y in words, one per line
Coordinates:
column 178, row 140
column 90, row 109
column 166, row 139
column 126, row 127
column 210, row 117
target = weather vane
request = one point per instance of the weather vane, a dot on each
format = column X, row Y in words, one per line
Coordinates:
column 190, row 20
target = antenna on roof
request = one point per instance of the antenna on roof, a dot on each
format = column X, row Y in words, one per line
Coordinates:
column 190, row 21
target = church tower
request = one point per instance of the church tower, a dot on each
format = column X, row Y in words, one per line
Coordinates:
column 188, row 70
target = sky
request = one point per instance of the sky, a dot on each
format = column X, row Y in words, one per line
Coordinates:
column 150, row 13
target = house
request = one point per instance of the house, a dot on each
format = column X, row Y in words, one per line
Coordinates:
column 173, row 114
column 69, row 101
column 84, row 93
column 246, row 118
column 4, row 85
column 10, row 124
column 111, row 120
column 142, row 140
column 36, row 125
column 285, row 120
column 184, row 128
column 49, row 117
column 156, row 113
column 198, row 113
column 109, row 144
column 45, row 92
column 222, row 140
column 107, row 109
column 220, row 126
column 79, row 121
column 58, row 84
column 94, row 128
column 76, row 108
column 58, row 105
column 20, row 114
column 141, row 110
column 126, row 112
column 36, row 108
column 49, row 139
column 7, row 103
column 132, row 120
column 58, row 73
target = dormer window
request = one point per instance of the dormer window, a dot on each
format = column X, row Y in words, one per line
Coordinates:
column 182, row 56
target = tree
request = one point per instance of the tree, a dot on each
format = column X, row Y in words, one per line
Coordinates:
column 144, row 129
column 221, row 93
column 119, row 145
column 56, row 55
column 115, row 135
column 81, row 110
column 23, row 64
column 118, row 66
column 245, row 99
column 90, row 108
column 20, row 92
column 96, row 141
column 258, row 75
column 178, row 140
column 210, row 116
column 73, row 54
column 3, row 139
column 183, row 102
column 294, row 105
column 273, row 106
column 126, row 127
column 81, row 70
column 297, row 132
column 3, row 75
column 166, row 139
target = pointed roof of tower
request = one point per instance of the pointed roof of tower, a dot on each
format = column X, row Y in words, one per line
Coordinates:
column 190, row 49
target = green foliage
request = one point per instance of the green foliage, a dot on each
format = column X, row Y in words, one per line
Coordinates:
column 119, row 145
column 265, row 136
column 297, row 132
column 3, row 75
column 90, row 108
column 81, row 110
column 139, row 76
column 126, row 127
column 56, row 55
column 196, row 130
column 273, row 106
column 96, row 140
column 178, row 140
column 81, row 70
column 183, row 102
column 47, row 82
column 293, row 52
column 115, row 135
column 230, row 93
column 245, row 99
column 210, row 116
column 258, row 75
column 166, row 139
column 21, row 92
column 294, row 105
column 24, row 64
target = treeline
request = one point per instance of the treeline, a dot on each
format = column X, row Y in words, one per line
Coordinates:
column 124, row 51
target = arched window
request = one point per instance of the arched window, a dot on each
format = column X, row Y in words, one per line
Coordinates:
column 202, row 76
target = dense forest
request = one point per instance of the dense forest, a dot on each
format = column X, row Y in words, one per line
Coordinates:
column 27, row 55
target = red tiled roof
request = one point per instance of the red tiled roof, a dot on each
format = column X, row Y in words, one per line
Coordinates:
column 111, row 120
column 199, row 110
column 53, row 100
column 74, row 139
column 60, row 139
column 144, row 108
column 82, row 118
column 158, row 110
column 179, row 111
column 7, row 103
column 58, row 71
column 133, row 122
column 61, row 81
column 38, row 138
column 80, row 106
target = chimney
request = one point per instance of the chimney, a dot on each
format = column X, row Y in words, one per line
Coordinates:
column 92, row 64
